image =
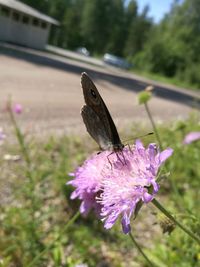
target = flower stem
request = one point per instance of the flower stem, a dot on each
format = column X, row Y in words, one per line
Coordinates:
column 187, row 231
column 154, row 126
column 174, row 187
column 20, row 138
column 25, row 153
column 30, row 193
column 69, row 223
column 140, row 250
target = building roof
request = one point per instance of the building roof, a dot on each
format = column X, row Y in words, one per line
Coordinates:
column 21, row 7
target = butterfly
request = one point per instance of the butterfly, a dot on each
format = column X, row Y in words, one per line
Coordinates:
column 97, row 118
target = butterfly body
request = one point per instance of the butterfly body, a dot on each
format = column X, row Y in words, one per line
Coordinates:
column 97, row 118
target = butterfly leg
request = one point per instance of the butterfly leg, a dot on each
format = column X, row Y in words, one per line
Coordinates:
column 109, row 159
column 129, row 147
column 118, row 157
column 123, row 163
column 118, row 153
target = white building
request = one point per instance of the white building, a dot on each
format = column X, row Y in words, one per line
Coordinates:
column 24, row 25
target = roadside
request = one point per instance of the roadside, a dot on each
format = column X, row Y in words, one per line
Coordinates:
column 48, row 87
column 60, row 54
column 73, row 55
column 141, row 76
column 167, row 80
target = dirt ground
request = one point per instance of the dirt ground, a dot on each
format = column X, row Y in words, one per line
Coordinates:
column 48, row 88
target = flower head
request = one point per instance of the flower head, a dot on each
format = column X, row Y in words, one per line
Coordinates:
column 130, row 182
column 191, row 137
column 87, row 182
column 116, row 183
column 17, row 108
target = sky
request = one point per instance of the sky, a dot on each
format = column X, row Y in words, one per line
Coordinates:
column 158, row 8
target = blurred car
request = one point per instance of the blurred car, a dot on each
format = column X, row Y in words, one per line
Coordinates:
column 83, row 51
column 116, row 61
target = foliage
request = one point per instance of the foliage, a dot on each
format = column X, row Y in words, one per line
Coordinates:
column 138, row 33
column 101, row 26
column 169, row 48
column 33, row 217
column 172, row 49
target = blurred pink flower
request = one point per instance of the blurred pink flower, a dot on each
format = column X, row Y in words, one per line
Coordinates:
column 17, row 108
column 2, row 135
column 191, row 137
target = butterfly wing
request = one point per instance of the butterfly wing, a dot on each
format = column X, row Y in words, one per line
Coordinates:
column 100, row 111
column 95, row 127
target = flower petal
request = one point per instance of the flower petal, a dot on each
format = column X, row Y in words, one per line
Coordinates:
column 139, row 144
column 191, row 137
column 166, row 154
column 126, row 227
column 147, row 197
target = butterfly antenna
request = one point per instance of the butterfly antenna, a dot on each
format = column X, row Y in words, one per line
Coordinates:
column 140, row 136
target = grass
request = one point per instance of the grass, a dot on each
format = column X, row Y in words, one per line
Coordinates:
column 33, row 217
column 167, row 80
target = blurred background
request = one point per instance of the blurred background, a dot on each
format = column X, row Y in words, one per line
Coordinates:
column 124, row 46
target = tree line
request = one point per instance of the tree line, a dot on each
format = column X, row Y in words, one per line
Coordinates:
column 170, row 47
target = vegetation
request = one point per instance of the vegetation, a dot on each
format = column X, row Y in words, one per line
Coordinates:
column 169, row 48
column 37, row 223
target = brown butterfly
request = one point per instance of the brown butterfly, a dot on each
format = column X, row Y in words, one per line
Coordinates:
column 97, row 118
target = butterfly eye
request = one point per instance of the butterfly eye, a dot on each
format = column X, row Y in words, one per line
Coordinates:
column 93, row 93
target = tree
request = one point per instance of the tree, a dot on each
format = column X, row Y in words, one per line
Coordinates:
column 42, row 6
column 95, row 24
column 71, row 26
column 117, row 26
column 139, row 29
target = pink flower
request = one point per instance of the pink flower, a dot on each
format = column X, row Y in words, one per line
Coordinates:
column 87, row 182
column 131, row 179
column 114, row 183
column 191, row 137
column 17, row 108
column 2, row 135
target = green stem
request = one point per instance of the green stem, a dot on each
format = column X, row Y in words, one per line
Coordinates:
column 187, row 231
column 24, row 150
column 154, row 126
column 20, row 138
column 28, row 172
column 140, row 250
column 21, row 142
column 174, row 187
column 31, row 193
column 69, row 223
